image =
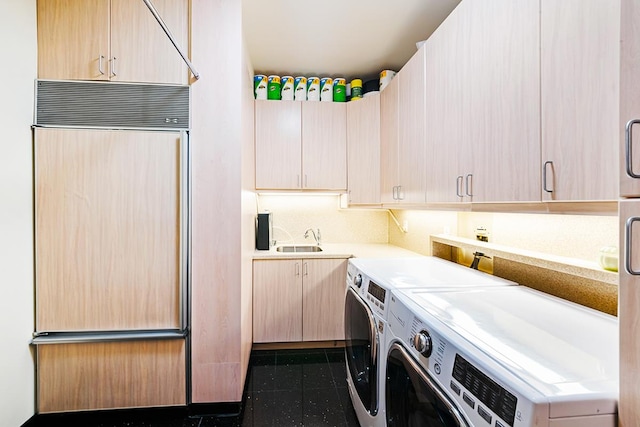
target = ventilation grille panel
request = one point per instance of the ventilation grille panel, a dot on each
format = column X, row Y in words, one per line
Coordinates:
column 111, row 105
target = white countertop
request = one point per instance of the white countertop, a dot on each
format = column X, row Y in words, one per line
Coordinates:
column 341, row 250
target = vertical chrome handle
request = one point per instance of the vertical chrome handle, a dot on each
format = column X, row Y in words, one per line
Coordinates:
column 627, row 245
column 459, row 186
column 468, row 183
column 113, row 67
column 628, row 140
column 394, row 192
column 400, row 193
column 306, row 181
column 297, row 268
column 298, row 181
column 544, row 176
column 100, row 58
column 305, row 269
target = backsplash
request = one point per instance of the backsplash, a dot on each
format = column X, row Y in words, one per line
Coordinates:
column 293, row 214
column 574, row 236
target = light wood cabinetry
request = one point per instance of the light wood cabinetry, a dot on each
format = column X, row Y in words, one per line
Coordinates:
column 324, row 146
column 389, row 116
column 629, row 289
column 298, row 300
column 89, row 376
column 300, row 145
column 278, row 144
column 117, row 40
column 107, row 207
column 411, row 131
column 402, row 134
column 629, row 154
column 580, row 62
column 448, row 154
column 500, row 94
column 363, row 150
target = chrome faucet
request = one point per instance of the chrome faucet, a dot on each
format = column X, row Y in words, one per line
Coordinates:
column 316, row 237
column 476, row 259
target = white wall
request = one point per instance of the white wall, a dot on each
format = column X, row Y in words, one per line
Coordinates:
column 17, row 74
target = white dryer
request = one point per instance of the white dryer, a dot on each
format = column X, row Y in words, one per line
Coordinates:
column 370, row 281
column 499, row 357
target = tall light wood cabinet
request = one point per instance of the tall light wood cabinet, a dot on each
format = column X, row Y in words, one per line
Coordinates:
column 116, row 40
column 298, row 300
column 363, row 150
column 300, row 145
column 580, row 63
column 629, row 209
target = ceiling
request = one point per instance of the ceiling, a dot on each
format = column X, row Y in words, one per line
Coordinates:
column 337, row 38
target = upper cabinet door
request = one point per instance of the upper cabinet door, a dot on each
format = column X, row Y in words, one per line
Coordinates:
column 324, row 145
column 278, row 145
column 140, row 50
column 363, row 150
column 629, row 166
column 411, row 131
column 447, row 159
column 73, row 39
column 117, row 40
column 501, row 94
column 389, row 115
column 580, row 91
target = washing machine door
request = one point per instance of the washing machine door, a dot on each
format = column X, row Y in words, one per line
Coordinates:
column 413, row 399
column 361, row 350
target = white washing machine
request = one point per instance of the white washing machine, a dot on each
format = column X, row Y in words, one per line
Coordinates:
column 370, row 281
column 499, row 357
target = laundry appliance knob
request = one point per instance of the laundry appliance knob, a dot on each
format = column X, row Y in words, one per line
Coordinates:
column 358, row 281
column 422, row 343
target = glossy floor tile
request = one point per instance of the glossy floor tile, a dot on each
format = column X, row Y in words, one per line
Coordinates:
column 284, row 388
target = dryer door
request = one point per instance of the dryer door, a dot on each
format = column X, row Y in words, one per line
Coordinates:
column 413, row 399
column 361, row 350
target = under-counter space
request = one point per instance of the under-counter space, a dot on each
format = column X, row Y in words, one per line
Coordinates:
column 341, row 250
column 575, row 280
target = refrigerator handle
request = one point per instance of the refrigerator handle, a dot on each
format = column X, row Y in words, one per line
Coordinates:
column 627, row 246
column 628, row 141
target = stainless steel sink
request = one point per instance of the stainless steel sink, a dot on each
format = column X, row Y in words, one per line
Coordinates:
column 297, row 248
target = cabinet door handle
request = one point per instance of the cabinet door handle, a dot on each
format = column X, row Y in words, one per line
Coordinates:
column 544, row 176
column 628, row 140
column 394, row 192
column 627, row 245
column 305, row 269
column 459, row 186
column 468, row 183
column 113, row 67
column 297, row 269
column 298, row 181
column 100, row 58
column 400, row 193
column 306, row 181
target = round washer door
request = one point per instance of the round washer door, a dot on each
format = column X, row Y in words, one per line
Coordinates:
column 413, row 399
column 361, row 350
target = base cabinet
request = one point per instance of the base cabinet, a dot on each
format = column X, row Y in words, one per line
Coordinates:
column 298, row 300
column 110, row 375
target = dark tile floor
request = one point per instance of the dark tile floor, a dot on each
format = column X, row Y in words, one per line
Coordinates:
column 284, row 388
